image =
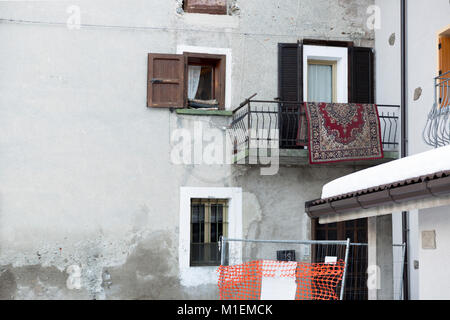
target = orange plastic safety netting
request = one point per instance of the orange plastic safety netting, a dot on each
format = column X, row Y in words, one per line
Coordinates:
column 278, row 280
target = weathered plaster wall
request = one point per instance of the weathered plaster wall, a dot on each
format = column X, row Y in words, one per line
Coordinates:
column 87, row 182
column 433, row 263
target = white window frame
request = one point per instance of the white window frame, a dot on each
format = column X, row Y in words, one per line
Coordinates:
column 325, row 53
column 195, row 276
column 228, row 68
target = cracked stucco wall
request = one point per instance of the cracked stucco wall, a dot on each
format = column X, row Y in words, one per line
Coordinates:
column 89, row 198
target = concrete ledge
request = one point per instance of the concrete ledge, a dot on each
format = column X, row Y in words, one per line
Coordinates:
column 199, row 112
column 300, row 157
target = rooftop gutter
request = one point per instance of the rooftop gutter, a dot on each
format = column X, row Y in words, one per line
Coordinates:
column 436, row 185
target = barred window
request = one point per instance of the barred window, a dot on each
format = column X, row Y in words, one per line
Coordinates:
column 209, row 221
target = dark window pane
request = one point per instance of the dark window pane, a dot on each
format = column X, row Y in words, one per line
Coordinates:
column 195, row 211
column 205, row 91
column 349, row 234
column 220, row 213
column 198, row 223
column 202, row 232
column 213, row 232
column 332, row 235
column 197, row 253
column 196, row 233
column 219, row 231
column 362, row 236
column 350, row 224
column 321, row 235
column 362, row 223
column 214, row 253
column 198, row 213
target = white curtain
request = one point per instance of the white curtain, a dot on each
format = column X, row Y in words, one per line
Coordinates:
column 193, row 80
column 320, row 83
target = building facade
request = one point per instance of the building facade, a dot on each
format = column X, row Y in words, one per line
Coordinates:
column 103, row 166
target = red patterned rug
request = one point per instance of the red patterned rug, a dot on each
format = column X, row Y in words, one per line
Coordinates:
column 343, row 132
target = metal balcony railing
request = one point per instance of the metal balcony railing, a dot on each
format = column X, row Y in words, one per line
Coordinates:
column 437, row 129
column 259, row 123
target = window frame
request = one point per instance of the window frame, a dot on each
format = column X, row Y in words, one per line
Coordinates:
column 334, row 78
column 197, row 276
column 205, row 9
column 208, row 203
column 329, row 53
column 218, row 62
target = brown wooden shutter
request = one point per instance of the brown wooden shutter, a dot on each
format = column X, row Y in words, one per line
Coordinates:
column 165, row 83
column 361, row 75
column 293, row 123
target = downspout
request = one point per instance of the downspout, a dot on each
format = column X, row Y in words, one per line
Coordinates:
column 404, row 151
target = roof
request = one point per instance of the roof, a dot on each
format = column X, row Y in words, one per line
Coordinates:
column 418, row 165
column 421, row 177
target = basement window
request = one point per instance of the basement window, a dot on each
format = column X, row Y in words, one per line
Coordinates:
column 209, row 222
column 205, row 6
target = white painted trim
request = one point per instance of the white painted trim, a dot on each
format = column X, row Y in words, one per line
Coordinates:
column 223, row 51
column 195, row 276
column 328, row 54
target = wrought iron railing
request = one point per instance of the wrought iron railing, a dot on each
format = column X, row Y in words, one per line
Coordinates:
column 258, row 123
column 437, row 129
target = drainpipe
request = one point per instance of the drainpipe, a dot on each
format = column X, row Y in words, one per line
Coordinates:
column 404, row 151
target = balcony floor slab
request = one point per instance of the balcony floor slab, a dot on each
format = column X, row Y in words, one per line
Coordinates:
column 300, row 157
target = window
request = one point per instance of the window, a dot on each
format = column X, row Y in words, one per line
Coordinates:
column 209, row 221
column 188, row 79
column 322, row 77
column 193, row 276
column 206, row 6
column 206, row 80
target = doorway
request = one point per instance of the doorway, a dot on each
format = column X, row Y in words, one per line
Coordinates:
column 356, row 231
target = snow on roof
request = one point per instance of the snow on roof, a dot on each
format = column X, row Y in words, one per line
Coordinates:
column 418, row 165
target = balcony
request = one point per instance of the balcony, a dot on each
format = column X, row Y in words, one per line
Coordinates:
column 258, row 124
column 436, row 132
